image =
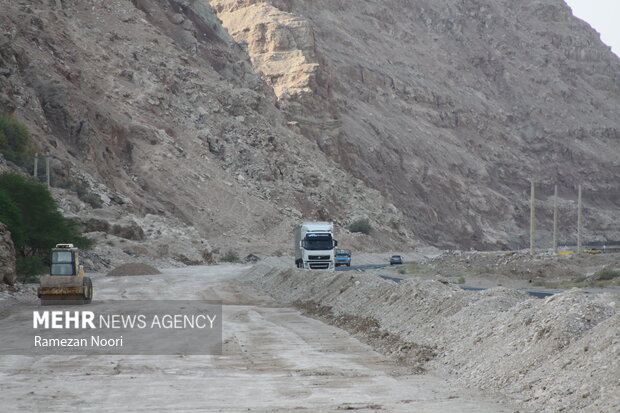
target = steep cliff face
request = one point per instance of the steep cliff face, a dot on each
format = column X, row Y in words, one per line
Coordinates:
column 153, row 106
column 450, row 109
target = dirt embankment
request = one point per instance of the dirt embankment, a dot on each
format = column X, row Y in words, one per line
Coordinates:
column 134, row 269
column 554, row 354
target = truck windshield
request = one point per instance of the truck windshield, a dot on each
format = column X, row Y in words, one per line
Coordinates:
column 318, row 244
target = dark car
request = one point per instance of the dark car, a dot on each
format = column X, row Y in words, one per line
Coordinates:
column 396, row 260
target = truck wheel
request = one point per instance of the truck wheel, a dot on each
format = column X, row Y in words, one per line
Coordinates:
column 88, row 290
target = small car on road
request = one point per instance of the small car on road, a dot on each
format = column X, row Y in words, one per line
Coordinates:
column 396, row 260
column 343, row 257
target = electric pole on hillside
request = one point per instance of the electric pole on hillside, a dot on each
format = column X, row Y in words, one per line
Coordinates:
column 47, row 167
column 36, row 164
column 555, row 219
column 579, row 219
column 532, row 217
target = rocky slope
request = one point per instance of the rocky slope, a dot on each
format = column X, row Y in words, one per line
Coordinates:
column 428, row 118
column 449, row 109
column 153, row 108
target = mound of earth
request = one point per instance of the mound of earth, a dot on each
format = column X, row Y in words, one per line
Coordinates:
column 550, row 355
column 134, row 269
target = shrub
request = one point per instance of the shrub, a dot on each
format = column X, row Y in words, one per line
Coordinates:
column 361, row 225
column 44, row 226
column 28, row 268
column 83, row 192
column 230, row 256
column 607, row 274
column 579, row 279
column 14, row 140
column 92, row 199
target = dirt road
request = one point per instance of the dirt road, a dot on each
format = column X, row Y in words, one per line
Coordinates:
column 274, row 360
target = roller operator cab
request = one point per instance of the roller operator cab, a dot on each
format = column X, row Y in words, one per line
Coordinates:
column 314, row 245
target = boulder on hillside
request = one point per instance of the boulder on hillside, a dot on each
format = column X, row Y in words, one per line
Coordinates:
column 95, row 225
column 128, row 230
column 7, row 256
column 124, row 228
column 251, row 258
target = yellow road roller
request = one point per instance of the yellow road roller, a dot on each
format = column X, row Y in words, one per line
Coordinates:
column 66, row 283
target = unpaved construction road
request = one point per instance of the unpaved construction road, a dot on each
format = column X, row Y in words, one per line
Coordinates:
column 274, row 360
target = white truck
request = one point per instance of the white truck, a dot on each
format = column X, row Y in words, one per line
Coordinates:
column 314, row 245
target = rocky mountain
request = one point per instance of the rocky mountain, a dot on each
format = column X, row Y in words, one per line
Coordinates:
column 449, row 108
column 158, row 112
column 218, row 125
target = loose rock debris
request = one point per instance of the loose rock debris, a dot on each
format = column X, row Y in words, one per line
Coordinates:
column 561, row 353
column 134, row 269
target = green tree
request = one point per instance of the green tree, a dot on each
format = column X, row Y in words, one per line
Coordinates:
column 12, row 218
column 43, row 224
column 28, row 268
column 14, row 140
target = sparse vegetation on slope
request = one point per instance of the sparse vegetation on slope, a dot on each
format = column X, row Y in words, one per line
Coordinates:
column 82, row 191
column 230, row 256
column 15, row 142
column 362, row 226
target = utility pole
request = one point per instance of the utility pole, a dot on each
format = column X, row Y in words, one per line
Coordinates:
column 532, row 217
column 579, row 219
column 36, row 164
column 555, row 220
column 47, row 168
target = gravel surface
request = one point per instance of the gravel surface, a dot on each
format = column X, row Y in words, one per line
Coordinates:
column 275, row 360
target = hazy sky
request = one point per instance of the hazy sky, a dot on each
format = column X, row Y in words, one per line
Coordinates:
column 603, row 16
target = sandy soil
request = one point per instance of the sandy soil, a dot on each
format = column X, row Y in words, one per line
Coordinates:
column 275, row 360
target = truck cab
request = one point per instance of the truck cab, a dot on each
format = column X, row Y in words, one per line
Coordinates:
column 314, row 246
